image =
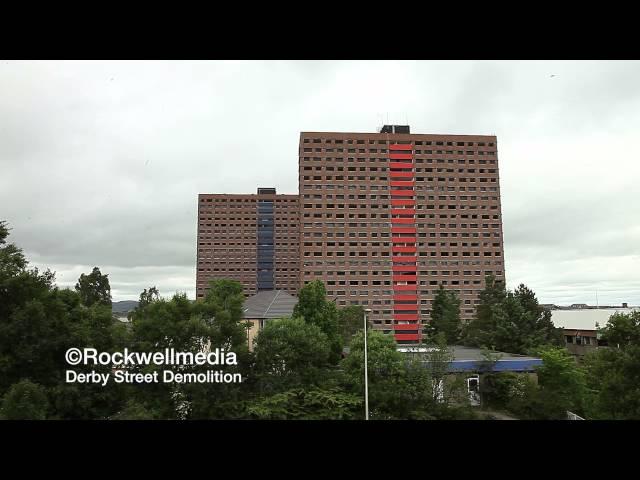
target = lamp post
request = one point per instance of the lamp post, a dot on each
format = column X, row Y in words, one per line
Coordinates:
column 248, row 328
column 366, row 372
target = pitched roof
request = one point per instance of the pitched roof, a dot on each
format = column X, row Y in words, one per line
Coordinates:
column 269, row 304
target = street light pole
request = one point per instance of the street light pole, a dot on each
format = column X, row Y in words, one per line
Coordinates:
column 366, row 372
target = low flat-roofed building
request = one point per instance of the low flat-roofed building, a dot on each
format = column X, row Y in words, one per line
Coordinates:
column 471, row 363
column 470, row 359
column 581, row 326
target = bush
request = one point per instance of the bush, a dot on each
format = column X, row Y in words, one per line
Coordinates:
column 25, row 400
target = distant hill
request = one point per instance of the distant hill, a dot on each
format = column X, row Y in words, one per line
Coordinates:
column 123, row 307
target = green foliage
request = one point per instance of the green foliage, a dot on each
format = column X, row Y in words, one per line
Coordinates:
column 489, row 360
column 148, row 296
column 222, row 310
column 315, row 309
column 179, row 323
column 350, row 322
column 502, row 390
column 445, row 315
column 622, row 329
column 25, row 401
column 386, row 367
column 12, row 260
column 307, row 404
column 295, row 372
column 613, row 373
column 511, row 321
column 540, row 325
column 169, row 323
column 290, row 352
column 561, row 387
column 94, row 288
column 613, row 377
column 134, row 410
column 405, row 386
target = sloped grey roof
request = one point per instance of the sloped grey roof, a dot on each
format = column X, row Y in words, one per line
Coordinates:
column 269, row 304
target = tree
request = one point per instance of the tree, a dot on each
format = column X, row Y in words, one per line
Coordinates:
column 508, row 390
column 147, row 297
column 478, row 332
column 159, row 325
column 445, row 315
column 94, row 288
column 512, row 327
column 307, row 404
column 511, row 321
column 315, row 309
column 222, row 309
column 134, row 410
column 613, row 373
column 562, row 384
column 12, row 260
column 543, row 330
column 350, row 322
column 622, row 329
column 414, row 386
column 561, row 387
column 25, row 401
column 386, row 366
column 290, row 352
column 26, row 326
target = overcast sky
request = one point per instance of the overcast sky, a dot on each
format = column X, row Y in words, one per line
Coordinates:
column 101, row 162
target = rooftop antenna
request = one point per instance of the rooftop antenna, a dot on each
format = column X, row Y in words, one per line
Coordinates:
column 597, row 305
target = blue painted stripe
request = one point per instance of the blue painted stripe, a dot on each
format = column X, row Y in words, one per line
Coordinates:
column 528, row 365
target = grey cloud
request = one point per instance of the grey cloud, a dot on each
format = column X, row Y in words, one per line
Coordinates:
column 101, row 162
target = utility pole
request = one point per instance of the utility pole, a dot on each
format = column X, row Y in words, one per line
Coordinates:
column 366, row 372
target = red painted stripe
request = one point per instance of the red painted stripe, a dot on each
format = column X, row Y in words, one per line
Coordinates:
column 406, row 336
column 404, row 297
column 400, row 165
column 403, row 229
column 405, row 288
column 402, row 193
column 406, row 326
column 403, row 183
column 405, row 316
column 400, row 156
column 403, row 259
column 395, row 249
column 400, row 177
column 403, row 239
column 400, row 174
column 404, row 268
column 403, row 211
column 404, row 278
column 409, row 221
column 400, row 306
column 407, row 202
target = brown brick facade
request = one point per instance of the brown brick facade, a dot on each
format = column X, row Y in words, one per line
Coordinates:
column 227, row 240
column 346, row 239
column 383, row 219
